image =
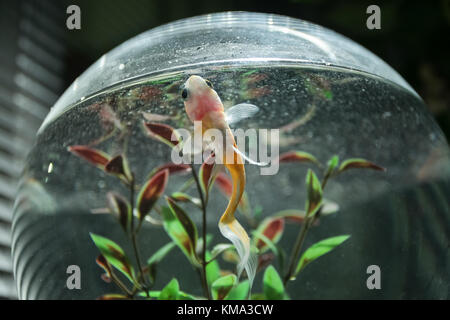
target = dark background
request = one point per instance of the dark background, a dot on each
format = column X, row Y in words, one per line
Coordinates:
column 40, row 58
column 413, row 38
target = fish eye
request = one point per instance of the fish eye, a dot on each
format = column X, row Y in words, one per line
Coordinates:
column 184, row 94
column 209, row 83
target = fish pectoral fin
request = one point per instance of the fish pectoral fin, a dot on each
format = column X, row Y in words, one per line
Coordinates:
column 240, row 112
column 251, row 161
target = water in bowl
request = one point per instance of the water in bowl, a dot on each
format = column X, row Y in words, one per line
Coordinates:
column 398, row 220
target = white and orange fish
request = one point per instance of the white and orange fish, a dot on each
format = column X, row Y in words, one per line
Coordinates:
column 203, row 104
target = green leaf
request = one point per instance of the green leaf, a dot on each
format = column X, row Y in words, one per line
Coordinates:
column 114, row 254
column 258, row 236
column 121, row 208
column 186, row 296
column 239, row 292
column 246, row 74
column 151, row 294
column 151, row 192
column 356, row 163
column 222, row 286
column 170, row 291
column 258, row 296
column 212, row 270
column 184, row 219
column 161, row 253
column 156, row 294
column 328, row 94
column 257, row 212
column 273, row 285
column 319, row 249
column 157, row 257
column 314, row 191
column 333, row 163
column 181, row 229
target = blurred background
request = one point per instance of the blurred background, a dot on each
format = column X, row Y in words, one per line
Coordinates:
column 40, row 57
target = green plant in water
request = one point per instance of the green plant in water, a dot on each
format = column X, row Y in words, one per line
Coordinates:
column 134, row 210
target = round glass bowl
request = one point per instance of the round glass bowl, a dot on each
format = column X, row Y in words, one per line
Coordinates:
column 327, row 96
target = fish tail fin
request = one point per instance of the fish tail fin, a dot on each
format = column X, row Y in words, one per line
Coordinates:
column 234, row 232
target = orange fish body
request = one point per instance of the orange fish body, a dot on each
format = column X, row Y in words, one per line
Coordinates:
column 203, row 104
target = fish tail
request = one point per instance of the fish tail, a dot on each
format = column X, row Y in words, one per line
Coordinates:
column 234, row 232
column 237, row 173
column 232, row 229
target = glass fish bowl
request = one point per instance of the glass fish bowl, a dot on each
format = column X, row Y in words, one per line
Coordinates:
column 329, row 99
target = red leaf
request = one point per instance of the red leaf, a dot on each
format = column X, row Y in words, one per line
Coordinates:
column 359, row 164
column 118, row 166
column 120, row 207
column 205, row 173
column 115, row 165
column 162, row 132
column 224, row 184
column 151, row 192
column 154, row 117
column 264, row 260
column 103, row 263
column 272, row 230
column 105, row 278
column 150, row 93
column 296, row 156
column 172, row 167
column 253, row 78
column 94, row 156
column 294, row 216
column 257, row 92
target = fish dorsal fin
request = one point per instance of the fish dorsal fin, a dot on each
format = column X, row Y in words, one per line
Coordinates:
column 240, row 112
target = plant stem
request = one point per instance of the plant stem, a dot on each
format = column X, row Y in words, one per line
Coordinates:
column 302, row 235
column 203, row 262
column 297, row 247
column 325, row 179
column 133, row 236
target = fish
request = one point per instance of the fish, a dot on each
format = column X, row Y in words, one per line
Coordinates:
column 202, row 103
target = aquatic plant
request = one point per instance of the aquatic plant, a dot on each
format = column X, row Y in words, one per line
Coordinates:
column 133, row 210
